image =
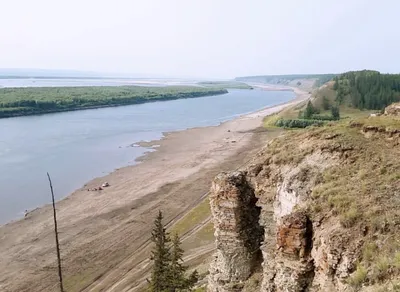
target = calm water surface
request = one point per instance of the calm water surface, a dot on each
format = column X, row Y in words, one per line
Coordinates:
column 68, row 82
column 78, row 146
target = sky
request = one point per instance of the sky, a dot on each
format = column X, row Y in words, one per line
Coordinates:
column 201, row 38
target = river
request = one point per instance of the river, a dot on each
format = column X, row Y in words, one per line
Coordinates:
column 69, row 82
column 75, row 147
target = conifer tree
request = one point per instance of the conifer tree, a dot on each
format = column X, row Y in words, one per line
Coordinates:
column 177, row 270
column 168, row 273
column 160, row 256
column 309, row 111
column 335, row 113
column 325, row 103
column 336, row 84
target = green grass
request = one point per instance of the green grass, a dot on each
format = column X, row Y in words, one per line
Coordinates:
column 39, row 100
column 270, row 121
column 358, row 277
column 195, row 216
column 360, row 191
column 326, row 91
column 369, row 251
column 292, row 113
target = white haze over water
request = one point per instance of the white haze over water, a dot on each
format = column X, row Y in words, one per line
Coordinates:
column 207, row 38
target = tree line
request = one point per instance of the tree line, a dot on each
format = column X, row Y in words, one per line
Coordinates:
column 367, row 89
column 39, row 100
column 320, row 79
column 313, row 113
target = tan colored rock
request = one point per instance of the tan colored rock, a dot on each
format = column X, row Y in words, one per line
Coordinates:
column 302, row 249
column 294, row 236
column 393, row 109
column 238, row 234
column 294, row 269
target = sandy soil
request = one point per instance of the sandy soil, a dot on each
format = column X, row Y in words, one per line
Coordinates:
column 103, row 233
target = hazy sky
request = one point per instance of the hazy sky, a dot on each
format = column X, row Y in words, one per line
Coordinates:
column 204, row 38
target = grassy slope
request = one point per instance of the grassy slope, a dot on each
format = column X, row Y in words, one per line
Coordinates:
column 28, row 101
column 327, row 91
column 362, row 192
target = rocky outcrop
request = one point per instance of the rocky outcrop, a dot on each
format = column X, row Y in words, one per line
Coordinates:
column 240, row 225
column 334, row 254
column 272, row 198
column 393, row 110
column 294, row 268
column 237, row 232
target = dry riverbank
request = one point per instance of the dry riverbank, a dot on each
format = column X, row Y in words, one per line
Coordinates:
column 100, row 231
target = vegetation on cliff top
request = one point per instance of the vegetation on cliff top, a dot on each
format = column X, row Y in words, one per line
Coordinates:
column 367, row 89
column 39, row 100
column 348, row 95
column 361, row 192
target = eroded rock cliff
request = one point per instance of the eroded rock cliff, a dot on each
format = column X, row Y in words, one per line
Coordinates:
column 319, row 206
column 237, row 231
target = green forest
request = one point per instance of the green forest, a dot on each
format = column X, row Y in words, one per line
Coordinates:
column 40, row 100
column 367, row 89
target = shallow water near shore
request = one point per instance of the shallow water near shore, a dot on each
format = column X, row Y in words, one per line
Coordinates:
column 75, row 147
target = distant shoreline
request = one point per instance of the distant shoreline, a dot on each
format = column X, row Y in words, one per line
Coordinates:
column 100, row 106
column 29, row 101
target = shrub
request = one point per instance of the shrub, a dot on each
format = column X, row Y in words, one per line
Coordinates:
column 325, row 103
column 349, row 218
column 381, row 268
column 396, row 261
column 358, row 277
column 369, row 251
column 299, row 123
column 335, row 113
column 309, row 111
column 323, row 118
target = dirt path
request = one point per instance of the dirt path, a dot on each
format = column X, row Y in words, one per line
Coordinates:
column 104, row 234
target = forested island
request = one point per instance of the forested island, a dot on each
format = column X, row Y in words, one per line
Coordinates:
column 41, row 100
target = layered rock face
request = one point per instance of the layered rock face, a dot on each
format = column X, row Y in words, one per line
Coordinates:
column 237, row 232
column 293, row 265
column 393, row 109
column 267, row 201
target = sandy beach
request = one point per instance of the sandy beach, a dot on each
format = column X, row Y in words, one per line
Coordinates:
column 100, row 230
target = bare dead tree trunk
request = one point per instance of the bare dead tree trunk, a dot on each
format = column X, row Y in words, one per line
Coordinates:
column 56, row 234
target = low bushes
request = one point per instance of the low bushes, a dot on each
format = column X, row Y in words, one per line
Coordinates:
column 298, row 123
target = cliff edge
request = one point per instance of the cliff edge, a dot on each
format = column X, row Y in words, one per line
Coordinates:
column 316, row 210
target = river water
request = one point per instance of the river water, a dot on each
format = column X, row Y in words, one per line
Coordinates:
column 75, row 147
column 69, row 82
